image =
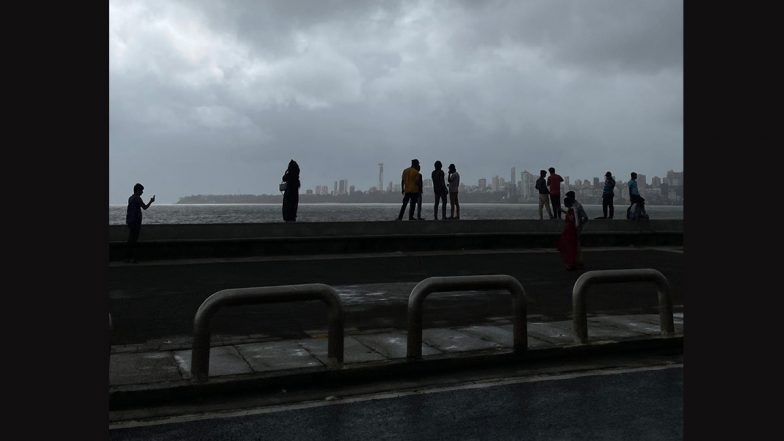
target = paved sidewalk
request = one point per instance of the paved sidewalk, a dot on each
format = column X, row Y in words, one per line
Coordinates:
column 138, row 372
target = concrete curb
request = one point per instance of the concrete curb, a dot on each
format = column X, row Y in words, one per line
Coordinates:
column 177, row 392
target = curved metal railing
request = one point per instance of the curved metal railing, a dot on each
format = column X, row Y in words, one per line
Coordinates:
column 590, row 278
column 465, row 283
column 200, row 357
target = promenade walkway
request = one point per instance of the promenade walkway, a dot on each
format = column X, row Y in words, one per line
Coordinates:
column 160, row 372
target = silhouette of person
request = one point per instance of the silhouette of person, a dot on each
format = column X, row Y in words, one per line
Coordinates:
column 636, row 208
column 554, row 182
column 291, row 194
column 454, row 185
column 544, row 195
column 419, row 194
column 607, row 196
column 409, row 188
column 133, row 218
column 440, row 190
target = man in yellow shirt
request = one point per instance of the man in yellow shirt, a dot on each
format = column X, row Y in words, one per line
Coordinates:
column 410, row 189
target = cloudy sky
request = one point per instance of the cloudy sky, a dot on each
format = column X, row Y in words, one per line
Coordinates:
column 215, row 97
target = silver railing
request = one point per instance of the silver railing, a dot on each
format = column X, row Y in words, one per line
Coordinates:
column 200, row 357
column 590, row 278
column 465, row 283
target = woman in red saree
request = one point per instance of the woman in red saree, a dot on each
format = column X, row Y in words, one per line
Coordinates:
column 569, row 242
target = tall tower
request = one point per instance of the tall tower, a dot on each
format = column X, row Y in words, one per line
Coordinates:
column 381, row 176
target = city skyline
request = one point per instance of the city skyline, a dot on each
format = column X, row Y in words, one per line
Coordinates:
column 492, row 182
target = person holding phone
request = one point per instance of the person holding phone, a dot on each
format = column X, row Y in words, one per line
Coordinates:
column 133, row 218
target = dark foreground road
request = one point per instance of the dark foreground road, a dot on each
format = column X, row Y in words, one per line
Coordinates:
column 630, row 404
column 158, row 300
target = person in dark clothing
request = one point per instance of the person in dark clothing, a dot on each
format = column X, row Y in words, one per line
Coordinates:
column 133, row 218
column 440, row 190
column 544, row 195
column 453, row 178
column 554, row 182
column 419, row 195
column 607, row 196
column 291, row 194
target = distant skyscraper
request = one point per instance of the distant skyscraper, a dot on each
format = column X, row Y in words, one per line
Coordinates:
column 482, row 184
column 512, row 180
column 642, row 180
column 335, row 191
column 656, row 181
column 351, row 190
column 380, row 176
column 343, row 186
column 496, row 183
column 596, row 182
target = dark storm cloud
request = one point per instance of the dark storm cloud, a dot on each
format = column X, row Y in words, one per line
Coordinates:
column 216, row 97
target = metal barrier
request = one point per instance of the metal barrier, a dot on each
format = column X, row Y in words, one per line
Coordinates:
column 200, row 358
column 580, row 320
column 465, row 283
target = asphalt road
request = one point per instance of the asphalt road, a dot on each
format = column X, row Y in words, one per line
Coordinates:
column 158, row 300
column 620, row 405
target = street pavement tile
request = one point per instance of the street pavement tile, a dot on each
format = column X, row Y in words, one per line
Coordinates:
column 654, row 319
column 276, row 355
column 502, row 335
column 547, row 331
column 637, row 323
column 392, row 345
column 353, row 350
column 224, row 360
column 144, row 367
column 450, row 340
column 597, row 331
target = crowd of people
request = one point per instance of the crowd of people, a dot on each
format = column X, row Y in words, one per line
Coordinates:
column 446, row 184
column 443, row 185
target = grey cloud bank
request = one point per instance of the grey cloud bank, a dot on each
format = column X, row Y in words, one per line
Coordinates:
column 216, row 97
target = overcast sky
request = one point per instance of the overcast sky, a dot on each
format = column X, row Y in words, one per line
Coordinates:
column 215, row 97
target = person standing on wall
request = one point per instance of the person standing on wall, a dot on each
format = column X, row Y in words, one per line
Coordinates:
column 419, row 195
column 409, row 189
column 440, row 190
column 544, row 195
column 133, row 218
column 607, row 196
column 554, row 182
column 454, row 185
column 291, row 193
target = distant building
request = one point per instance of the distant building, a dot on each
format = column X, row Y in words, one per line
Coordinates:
column 642, row 181
column 342, row 187
column 482, row 184
column 675, row 179
column 528, row 183
column 351, row 190
column 512, row 180
column 656, row 181
column 427, row 185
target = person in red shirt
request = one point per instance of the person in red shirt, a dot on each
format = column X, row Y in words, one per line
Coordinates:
column 554, row 183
